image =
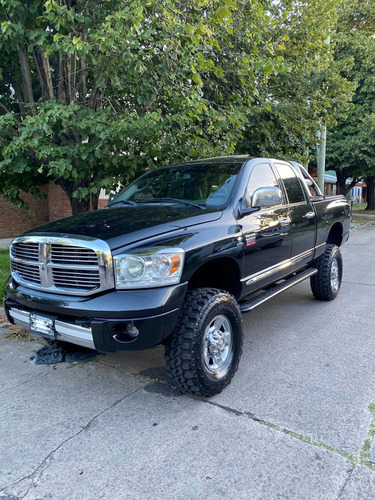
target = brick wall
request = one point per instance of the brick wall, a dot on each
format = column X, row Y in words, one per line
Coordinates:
column 58, row 203
column 103, row 202
column 14, row 221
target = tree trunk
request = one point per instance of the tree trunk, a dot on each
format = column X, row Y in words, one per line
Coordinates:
column 60, row 80
column 82, row 80
column 341, row 186
column 26, row 82
column 44, row 72
column 17, row 91
column 77, row 206
column 94, row 201
column 73, row 76
column 370, row 182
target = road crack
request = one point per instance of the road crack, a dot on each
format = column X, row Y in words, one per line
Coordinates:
column 26, row 381
column 369, row 439
column 352, row 458
column 35, row 474
column 345, row 482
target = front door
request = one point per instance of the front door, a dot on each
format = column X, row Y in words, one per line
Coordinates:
column 266, row 233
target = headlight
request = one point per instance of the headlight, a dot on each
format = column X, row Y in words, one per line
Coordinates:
column 149, row 268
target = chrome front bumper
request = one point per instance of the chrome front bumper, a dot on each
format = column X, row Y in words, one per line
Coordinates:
column 66, row 332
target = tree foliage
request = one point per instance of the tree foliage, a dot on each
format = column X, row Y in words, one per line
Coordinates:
column 351, row 143
column 293, row 104
column 93, row 92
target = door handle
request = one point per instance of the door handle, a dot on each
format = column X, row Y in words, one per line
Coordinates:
column 285, row 222
column 309, row 215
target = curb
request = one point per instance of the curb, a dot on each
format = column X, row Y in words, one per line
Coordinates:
column 363, row 226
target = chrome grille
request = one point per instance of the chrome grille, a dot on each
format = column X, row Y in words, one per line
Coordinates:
column 66, row 255
column 27, row 251
column 72, row 279
column 26, row 271
column 62, row 264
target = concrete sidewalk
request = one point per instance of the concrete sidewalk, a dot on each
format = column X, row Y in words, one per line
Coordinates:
column 365, row 215
column 297, row 422
column 5, row 243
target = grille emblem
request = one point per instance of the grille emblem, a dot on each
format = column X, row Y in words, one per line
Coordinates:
column 44, row 257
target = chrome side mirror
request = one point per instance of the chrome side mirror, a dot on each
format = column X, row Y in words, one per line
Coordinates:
column 266, row 197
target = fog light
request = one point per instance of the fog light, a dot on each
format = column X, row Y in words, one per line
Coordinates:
column 125, row 332
column 132, row 330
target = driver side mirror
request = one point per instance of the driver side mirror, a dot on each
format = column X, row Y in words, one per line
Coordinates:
column 266, row 197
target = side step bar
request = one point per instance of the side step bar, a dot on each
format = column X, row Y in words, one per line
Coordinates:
column 249, row 305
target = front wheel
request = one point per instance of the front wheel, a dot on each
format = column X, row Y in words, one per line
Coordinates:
column 203, row 353
column 325, row 285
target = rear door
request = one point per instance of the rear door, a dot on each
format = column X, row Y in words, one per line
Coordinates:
column 301, row 213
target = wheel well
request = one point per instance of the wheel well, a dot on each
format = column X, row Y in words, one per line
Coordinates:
column 335, row 234
column 220, row 273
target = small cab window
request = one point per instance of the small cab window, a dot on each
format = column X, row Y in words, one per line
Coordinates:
column 291, row 182
column 261, row 176
column 312, row 186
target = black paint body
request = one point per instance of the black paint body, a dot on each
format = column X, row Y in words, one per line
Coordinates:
column 249, row 248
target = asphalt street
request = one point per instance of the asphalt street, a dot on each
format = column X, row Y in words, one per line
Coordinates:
column 297, row 422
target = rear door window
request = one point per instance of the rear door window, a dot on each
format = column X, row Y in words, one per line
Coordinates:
column 291, row 182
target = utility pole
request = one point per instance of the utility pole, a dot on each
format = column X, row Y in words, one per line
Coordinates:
column 321, row 158
column 321, row 146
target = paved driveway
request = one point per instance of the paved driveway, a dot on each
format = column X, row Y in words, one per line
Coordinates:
column 297, row 422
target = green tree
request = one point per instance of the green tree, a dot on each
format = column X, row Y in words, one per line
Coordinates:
column 292, row 104
column 94, row 92
column 351, row 144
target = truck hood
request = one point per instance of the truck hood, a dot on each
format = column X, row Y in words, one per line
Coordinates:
column 122, row 226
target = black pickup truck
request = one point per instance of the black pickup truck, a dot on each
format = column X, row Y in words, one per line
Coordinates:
column 175, row 258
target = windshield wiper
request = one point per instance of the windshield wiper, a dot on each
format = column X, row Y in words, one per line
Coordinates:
column 167, row 198
column 122, row 202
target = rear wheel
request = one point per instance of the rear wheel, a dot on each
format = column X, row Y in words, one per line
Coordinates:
column 203, row 353
column 325, row 285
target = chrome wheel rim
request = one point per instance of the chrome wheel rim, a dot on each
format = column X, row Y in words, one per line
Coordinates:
column 217, row 344
column 335, row 275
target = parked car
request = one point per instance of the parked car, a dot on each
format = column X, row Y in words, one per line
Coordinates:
column 175, row 259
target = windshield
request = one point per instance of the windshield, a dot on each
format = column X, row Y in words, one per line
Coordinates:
column 196, row 184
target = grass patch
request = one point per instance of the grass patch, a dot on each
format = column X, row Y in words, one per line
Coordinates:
column 361, row 221
column 20, row 334
column 4, row 272
column 360, row 207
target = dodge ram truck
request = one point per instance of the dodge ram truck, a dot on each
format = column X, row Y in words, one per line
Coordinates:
column 175, row 258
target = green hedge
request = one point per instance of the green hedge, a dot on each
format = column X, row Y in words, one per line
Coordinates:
column 4, row 272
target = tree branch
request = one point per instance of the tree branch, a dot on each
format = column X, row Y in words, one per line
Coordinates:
column 61, row 92
column 7, row 111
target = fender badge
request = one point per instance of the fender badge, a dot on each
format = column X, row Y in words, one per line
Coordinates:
column 250, row 240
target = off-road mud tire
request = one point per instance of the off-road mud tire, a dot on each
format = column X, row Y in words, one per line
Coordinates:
column 184, row 351
column 321, row 283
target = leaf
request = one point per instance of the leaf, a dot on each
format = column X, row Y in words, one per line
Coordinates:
column 197, row 79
